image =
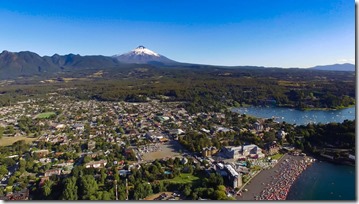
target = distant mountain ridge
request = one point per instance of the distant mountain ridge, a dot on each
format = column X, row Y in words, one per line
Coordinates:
column 336, row 67
column 26, row 63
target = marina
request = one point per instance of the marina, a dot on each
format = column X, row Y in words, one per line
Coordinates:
column 299, row 117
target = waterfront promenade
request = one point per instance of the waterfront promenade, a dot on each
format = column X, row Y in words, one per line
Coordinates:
column 274, row 183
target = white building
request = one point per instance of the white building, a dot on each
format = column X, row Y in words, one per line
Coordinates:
column 252, row 151
column 234, row 177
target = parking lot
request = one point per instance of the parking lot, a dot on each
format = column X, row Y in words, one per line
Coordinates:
column 162, row 150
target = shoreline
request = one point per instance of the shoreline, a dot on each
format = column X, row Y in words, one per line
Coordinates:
column 275, row 183
column 296, row 108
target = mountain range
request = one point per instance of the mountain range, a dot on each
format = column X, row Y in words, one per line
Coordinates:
column 26, row 63
column 336, row 67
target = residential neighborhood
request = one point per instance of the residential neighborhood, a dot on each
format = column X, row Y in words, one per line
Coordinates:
column 122, row 137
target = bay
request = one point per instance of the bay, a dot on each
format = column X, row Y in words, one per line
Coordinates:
column 324, row 181
column 299, row 117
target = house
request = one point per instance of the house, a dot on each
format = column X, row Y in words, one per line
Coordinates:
column 124, row 172
column 154, row 136
column 184, row 160
column 21, row 195
column 223, row 129
column 96, row 164
column 91, row 145
column 51, row 172
column 257, row 126
column 281, row 135
column 40, row 153
column 272, row 148
column 45, row 160
column 176, row 132
column 205, row 130
column 60, row 126
column 79, row 127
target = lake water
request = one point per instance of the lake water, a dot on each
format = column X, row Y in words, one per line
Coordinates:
column 324, row 181
column 299, row 117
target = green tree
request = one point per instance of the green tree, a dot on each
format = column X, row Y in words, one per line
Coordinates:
column 11, row 181
column 3, row 170
column 77, row 171
column 22, row 165
column 88, row 187
column 187, row 190
column 9, row 130
column 87, row 159
column 2, row 129
column 220, row 193
column 47, row 188
column 70, row 192
column 103, row 176
column 122, row 191
column 106, row 195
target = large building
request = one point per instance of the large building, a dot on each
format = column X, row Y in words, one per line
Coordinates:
column 234, row 178
column 242, row 152
column 209, row 151
column 229, row 174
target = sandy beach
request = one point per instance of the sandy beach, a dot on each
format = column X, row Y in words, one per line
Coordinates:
column 274, row 183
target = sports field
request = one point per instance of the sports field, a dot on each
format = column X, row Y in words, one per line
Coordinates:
column 45, row 115
column 182, row 179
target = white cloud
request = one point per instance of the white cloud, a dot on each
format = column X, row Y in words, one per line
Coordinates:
column 346, row 61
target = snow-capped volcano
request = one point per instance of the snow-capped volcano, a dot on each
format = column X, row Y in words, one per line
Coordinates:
column 142, row 55
column 141, row 50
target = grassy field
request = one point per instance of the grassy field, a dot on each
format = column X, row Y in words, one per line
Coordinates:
column 45, row 115
column 6, row 141
column 182, row 179
column 277, row 156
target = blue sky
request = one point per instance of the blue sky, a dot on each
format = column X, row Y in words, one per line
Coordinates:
column 283, row 33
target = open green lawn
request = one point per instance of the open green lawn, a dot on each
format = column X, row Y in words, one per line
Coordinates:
column 45, row 115
column 6, row 141
column 277, row 156
column 183, row 178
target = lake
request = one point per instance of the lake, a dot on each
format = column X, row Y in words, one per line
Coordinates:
column 324, row 181
column 299, row 117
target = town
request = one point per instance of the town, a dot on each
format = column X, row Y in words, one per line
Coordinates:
column 63, row 148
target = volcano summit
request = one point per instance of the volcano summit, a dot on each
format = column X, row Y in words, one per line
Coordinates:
column 143, row 55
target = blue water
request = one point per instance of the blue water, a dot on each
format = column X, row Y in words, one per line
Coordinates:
column 299, row 117
column 324, row 181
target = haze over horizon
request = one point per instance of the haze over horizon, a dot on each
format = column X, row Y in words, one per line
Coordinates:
column 284, row 33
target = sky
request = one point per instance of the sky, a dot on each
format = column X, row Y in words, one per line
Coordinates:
column 276, row 33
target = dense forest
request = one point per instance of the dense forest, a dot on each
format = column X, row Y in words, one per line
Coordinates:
column 337, row 139
column 203, row 88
